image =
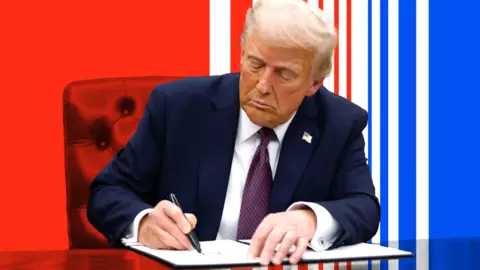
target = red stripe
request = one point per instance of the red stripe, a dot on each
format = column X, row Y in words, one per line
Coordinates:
column 320, row 4
column 320, row 266
column 336, row 266
column 349, row 53
column 238, row 10
column 349, row 265
column 302, row 267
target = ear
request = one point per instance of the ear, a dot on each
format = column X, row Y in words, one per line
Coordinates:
column 242, row 53
column 314, row 87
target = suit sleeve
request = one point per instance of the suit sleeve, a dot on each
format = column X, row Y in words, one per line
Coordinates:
column 353, row 203
column 124, row 187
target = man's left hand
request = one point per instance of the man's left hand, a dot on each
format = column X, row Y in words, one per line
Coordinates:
column 287, row 229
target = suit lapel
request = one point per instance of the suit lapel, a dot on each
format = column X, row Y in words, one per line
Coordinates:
column 294, row 155
column 217, row 145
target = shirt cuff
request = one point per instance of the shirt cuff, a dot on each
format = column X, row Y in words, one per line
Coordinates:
column 132, row 236
column 327, row 230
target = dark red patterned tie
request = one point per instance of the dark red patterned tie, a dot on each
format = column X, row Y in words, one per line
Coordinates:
column 256, row 193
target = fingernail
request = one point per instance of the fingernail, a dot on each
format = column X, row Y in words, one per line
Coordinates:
column 186, row 229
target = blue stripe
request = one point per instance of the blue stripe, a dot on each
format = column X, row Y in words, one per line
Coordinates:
column 407, row 129
column 370, row 96
column 454, row 133
column 384, row 126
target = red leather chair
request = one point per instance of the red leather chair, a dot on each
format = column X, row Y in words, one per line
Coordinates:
column 99, row 117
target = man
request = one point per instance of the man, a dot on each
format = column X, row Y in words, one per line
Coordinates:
column 268, row 154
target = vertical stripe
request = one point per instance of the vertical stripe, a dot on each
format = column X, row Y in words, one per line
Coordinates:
column 303, row 267
column 376, row 237
column 454, row 133
column 341, row 86
column 337, row 53
column 407, row 121
column 329, row 10
column 358, row 74
column 339, row 58
column 374, row 105
column 219, row 30
column 384, row 186
column 374, row 109
column 313, row 3
column 237, row 12
column 422, row 196
column 313, row 266
column 329, row 266
column 349, row 49
column 393, row 143
column 348, row 65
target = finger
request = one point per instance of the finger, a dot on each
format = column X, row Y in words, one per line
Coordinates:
column 287, row 243
column 259, row 238
column 301, row 247
column 167, row 224
column 274, row 238
column 166, row 239
column 192, row 220
column 175, row 213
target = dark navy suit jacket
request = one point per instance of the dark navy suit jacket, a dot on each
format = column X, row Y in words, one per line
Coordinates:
column 184, row 144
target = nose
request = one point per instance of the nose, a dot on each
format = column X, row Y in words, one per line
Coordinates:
column 264, row 84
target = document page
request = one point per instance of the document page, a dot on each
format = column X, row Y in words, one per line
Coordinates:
column 231, row 253
column 217, row 252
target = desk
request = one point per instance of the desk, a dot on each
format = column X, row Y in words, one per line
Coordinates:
column 442, row 254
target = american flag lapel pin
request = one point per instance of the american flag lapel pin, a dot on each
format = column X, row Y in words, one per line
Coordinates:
column 307, row 137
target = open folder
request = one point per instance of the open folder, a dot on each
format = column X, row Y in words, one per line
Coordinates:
column 229, row 253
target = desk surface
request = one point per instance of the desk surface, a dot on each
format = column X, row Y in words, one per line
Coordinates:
column 440, row 254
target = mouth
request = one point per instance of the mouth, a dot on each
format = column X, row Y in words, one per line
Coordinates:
column 260, row 105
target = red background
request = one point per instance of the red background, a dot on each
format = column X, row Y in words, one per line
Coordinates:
column 44, row 45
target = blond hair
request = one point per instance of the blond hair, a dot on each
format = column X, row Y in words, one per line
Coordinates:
column 294, row 23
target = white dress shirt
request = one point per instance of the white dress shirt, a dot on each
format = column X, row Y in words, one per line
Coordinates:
column 246, row 144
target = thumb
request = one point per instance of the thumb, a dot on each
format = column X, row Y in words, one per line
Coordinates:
column 191, row 219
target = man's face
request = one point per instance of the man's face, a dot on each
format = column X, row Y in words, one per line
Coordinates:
column 274, row 81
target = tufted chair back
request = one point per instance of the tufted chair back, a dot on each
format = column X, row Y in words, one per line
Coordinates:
column 99, row 118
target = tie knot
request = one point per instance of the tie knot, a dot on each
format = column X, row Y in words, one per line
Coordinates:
column 266, row 135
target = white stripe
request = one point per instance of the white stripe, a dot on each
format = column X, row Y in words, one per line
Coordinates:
column 360, row 56
column 422, row 252
column 359, row 41
column 313, row 3
column 359, row 265
column 342, row 46
column 329, row 8
column 219, row 37
column 313, row 266
column 375, row 114
column 393, row 129
column 328, row 266
column 376, row 265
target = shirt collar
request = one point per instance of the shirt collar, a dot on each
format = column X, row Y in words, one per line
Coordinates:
column 247, row 129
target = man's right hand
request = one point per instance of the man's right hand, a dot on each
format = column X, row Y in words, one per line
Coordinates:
column 165, row 227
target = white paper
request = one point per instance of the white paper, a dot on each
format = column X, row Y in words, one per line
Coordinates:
column 228, row 252
column 213, row 253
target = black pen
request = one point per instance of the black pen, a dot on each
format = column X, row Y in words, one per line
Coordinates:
column 192, row 236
